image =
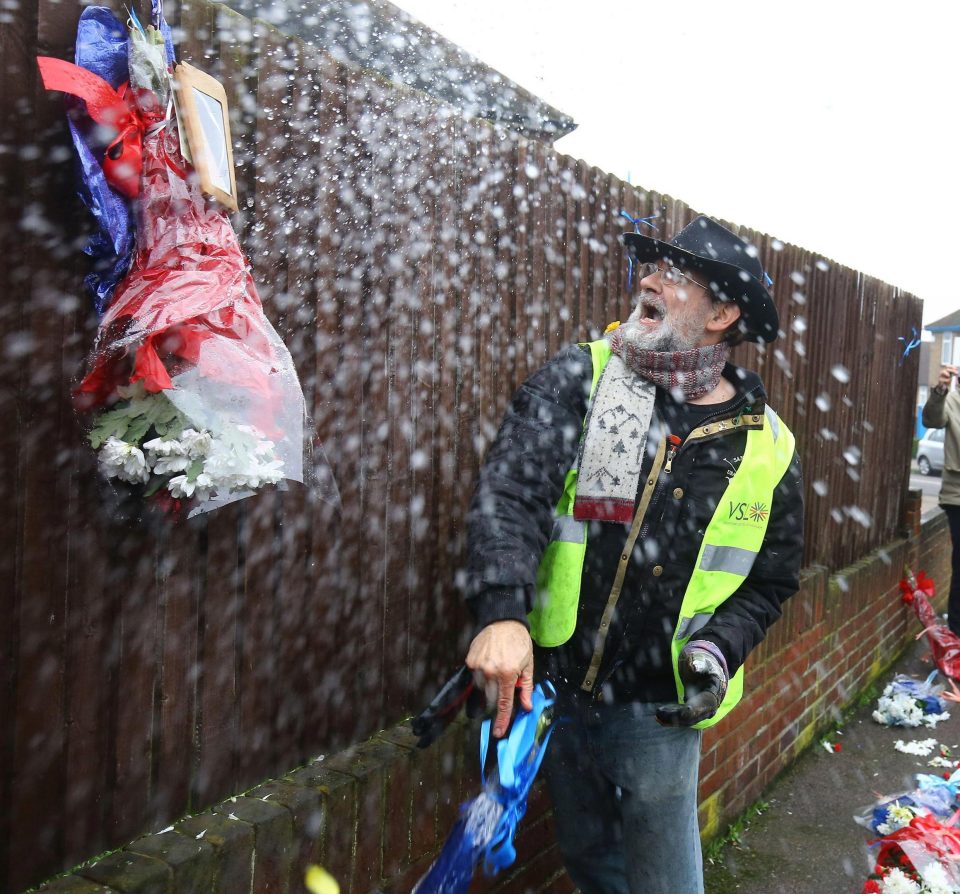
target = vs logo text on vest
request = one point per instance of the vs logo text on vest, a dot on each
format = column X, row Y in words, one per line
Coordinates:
column 752, row 513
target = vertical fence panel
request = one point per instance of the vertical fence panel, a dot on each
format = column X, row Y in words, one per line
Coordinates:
column 297, row 322
column 16, row 67
column 179, row 589
column 327, row 264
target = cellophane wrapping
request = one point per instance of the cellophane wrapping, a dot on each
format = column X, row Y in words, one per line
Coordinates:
column 192, row 393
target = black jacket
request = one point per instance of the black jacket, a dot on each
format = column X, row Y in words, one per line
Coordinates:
column 511, row 517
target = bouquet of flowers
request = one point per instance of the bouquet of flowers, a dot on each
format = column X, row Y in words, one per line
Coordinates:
column 918, row 858
column 944, row 643
column 909, row 702
column 190, row 393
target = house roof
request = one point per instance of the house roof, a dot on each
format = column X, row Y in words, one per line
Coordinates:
column 381, row 37
column 945, row 324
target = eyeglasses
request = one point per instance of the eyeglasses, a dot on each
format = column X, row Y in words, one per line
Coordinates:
column 673, row 276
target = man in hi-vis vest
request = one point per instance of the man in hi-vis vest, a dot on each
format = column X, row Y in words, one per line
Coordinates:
column 636, row 528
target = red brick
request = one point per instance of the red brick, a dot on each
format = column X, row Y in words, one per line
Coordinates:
column 305, row 805
column 192, row 861
column 273, row 841
column 339, row 817
column 233, row 844
column 124, row 871
column 403, row 882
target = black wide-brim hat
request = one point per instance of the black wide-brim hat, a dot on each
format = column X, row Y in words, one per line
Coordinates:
column 731, row 263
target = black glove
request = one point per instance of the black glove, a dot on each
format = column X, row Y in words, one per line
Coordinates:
column 703, row 672
column 439, row 714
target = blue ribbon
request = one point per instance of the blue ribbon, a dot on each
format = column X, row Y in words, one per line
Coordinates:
column 767, row 279
column 636, row 221
column 136, row 22
column 908, row 346
column 519, row 756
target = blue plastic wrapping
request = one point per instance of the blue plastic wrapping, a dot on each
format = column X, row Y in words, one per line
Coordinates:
column 102, row 49
column 102, row 45
column 484, row 832
column 111, row 247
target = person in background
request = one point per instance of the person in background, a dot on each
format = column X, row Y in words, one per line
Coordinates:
column 942, row 410
column 636, row 528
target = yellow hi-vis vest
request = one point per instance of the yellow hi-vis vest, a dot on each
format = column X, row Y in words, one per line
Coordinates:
column 730, row 545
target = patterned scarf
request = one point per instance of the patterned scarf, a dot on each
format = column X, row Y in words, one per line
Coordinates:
column 692, row 373
column 613, row 447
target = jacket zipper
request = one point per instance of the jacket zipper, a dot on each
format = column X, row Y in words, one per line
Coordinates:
column 697, row 434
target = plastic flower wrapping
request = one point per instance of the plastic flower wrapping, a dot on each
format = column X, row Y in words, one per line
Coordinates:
column 944, row 643
column 189, row 394
column 484, row 832
column 919, row 857
column 187, row 378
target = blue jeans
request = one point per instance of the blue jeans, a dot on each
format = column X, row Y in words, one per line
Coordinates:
column 624, row 792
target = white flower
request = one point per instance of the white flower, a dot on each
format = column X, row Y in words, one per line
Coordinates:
column 196, row 443
column 165, row 447
column 165, row 465
column 898, row 816
column 901, row 709
column 167, row 456
column 931, row 720
column 897, row 882
column 118, row 459
column 180, row 486
column 264, row 473
column 898, row 710
column 923, row 748
column 936, row 880
column 241, row 464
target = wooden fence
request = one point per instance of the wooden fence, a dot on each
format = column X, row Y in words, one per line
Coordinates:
column 419, row 266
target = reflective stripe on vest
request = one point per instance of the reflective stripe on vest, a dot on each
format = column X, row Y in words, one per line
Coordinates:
column 730, row 545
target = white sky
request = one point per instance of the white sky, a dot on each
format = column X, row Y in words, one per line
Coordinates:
column 832, row 125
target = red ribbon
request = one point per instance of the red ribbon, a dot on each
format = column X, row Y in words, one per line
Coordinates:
column 109, row 108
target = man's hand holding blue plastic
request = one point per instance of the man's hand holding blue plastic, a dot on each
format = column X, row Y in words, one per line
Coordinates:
column 703, row 672
column 502, row 654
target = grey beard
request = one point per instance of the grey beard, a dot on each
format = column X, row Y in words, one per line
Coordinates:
column 665, row 338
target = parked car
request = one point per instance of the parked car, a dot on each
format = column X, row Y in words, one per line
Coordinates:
column 930, row 452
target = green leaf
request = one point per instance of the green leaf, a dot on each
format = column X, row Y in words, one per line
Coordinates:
column 112, row 424
column 138, row 428
column 194, row 469
column 171, row 424
column 131, row 420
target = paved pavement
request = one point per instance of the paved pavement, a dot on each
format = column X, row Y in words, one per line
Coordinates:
column 805, row 841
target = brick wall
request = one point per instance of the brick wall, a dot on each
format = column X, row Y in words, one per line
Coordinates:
column 375, row 815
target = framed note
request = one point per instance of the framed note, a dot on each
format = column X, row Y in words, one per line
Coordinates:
column 202, row 111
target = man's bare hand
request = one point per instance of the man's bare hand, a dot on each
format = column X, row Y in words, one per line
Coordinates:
column 503, row 654
column 947, row 372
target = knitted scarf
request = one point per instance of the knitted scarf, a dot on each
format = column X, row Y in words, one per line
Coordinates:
column 692, row 373
column 612, row 450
